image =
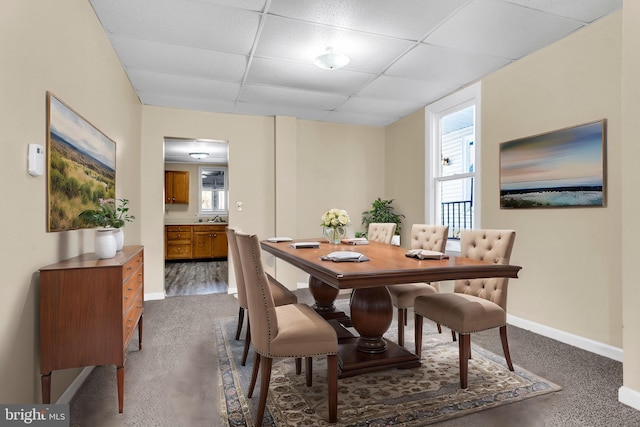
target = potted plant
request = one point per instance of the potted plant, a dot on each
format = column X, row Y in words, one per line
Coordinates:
column 381, row 211
column 109, row 216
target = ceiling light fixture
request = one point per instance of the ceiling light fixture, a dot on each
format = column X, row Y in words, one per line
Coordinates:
column 331, row 60
column 199, row 155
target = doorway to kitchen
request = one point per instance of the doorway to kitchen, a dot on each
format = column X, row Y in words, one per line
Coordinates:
column 196, row 215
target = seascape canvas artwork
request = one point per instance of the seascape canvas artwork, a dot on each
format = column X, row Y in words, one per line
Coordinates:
column 81, row 166
column 564, row 168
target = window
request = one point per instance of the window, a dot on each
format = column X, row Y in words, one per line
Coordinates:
column 213, row 190
column 453, row 170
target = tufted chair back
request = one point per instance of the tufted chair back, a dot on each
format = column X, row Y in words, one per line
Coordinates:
column 237, row 268
column 487, row 245
column 381, row 231
column 430, row 237
column 262, row 319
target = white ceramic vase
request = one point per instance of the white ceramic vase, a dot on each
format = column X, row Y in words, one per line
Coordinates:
column 105, row 243
column 118, row 233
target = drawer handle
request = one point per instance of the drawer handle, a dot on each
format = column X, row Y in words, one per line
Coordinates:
column 129, row 289
column 126, row 297
column 129, row 267
column 139, row 306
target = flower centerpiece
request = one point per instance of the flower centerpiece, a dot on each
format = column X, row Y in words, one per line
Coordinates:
column 334, row 222
column 108, row 216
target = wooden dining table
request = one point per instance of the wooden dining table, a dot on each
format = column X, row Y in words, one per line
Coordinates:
column 371, row 310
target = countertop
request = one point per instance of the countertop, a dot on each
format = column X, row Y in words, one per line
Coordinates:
column 194, row 223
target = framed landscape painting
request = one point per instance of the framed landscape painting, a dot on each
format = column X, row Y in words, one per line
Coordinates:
column 563, row 168
column 81, row 166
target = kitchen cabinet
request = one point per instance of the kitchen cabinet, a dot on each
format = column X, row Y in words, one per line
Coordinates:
column 178, row 242
column 89, row 308
column 209, row 241
column 176, row 187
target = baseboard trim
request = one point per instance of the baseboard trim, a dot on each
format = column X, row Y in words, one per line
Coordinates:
column 629, row 397
column 75, row 385
column 587, row 344
column 154, row 296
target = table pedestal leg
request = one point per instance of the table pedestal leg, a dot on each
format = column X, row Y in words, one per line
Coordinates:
column 325, row 296
column 371, row 315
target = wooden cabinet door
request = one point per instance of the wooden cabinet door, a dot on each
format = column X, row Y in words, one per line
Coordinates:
column 176, row 187
column 202, row 244
column 181, row 187
column 168, row 187
column 219, row 243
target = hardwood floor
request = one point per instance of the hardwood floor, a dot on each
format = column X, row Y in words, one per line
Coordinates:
column 195, row 277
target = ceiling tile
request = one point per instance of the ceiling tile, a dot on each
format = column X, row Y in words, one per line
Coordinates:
column 305, row 76
column 257, row 5
column 408, row 19
column 301, row 41
column 420, row 92
column 290, row 97
column 171, row 59
column 439, row 64
column 258, row 109
column 582, row 10
column 181, row 23
column 198, row 104
column 359, row 119
column 501, row 29
column 188, row 87
column 378, row 107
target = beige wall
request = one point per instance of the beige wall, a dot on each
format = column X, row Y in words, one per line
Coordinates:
column 571, row 277
column 630, row 393
column 60, row 47
column 405, row 165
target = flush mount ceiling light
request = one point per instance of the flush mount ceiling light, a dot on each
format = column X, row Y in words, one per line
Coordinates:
column 331, row 60
column 199, row 155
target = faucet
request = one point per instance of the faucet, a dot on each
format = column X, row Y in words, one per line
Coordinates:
column 216, row 219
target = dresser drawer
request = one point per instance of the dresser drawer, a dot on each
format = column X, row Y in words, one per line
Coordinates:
column 131, row 287
column 131, row 266
column 130, row 319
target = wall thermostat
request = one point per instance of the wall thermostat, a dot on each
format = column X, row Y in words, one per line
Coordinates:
column 36, row 160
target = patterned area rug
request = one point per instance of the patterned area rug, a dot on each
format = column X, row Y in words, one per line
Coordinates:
column 401, row 397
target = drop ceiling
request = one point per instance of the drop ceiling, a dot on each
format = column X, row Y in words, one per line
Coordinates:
column 256, row 56
column 177, row 150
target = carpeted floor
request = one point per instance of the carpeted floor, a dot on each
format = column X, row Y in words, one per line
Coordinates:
column 174, row 380
column 408, row 397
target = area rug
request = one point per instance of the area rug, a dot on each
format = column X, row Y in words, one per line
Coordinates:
column 399, row 397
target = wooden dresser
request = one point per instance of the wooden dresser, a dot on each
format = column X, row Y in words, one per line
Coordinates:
column 89, row 308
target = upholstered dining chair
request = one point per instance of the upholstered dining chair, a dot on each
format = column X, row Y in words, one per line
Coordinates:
column 475, row 305
column 291, row 330
column 381, row 231
column 423, row 236
column 281, row 295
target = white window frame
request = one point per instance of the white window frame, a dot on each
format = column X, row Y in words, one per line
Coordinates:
column 470, row 95
column 226, row 191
